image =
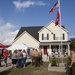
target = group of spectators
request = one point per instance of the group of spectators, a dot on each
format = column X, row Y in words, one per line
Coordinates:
column 18, row 57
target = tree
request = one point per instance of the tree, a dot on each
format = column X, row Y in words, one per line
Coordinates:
column 72, row 45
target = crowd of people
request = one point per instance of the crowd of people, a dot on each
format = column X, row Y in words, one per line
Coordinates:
column 19, row 57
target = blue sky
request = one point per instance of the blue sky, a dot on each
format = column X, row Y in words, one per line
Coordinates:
column 15, row 14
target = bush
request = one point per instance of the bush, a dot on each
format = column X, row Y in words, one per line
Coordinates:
column 69, row 61
column 54, row 62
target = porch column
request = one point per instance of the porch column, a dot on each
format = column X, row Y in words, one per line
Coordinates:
column 59, row 50
column 68, row 49
column 50, row 51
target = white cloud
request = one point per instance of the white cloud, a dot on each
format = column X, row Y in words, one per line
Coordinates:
column 6, row 26
column 7, row 33
column 27, row 4
column 40, row 3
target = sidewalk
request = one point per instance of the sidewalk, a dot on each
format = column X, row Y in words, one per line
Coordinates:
column 61, row 68
column 5, row 68
column 9, row 64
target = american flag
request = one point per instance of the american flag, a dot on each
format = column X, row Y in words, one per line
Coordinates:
column 57, row 18
column 54, row 7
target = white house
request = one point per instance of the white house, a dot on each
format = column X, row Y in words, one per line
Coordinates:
column 49, row 38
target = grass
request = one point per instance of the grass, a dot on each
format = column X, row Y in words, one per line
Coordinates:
column 31, row 70
column 59, row 60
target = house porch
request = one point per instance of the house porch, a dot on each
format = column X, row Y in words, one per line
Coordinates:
column 55, row 48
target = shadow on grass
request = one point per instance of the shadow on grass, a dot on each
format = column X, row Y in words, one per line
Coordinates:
column 28, row 63
column 5, row 72
column 31, row 70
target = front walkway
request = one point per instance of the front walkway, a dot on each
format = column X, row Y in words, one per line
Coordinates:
column 3, row 68
column 60, row 68
column 9, row 64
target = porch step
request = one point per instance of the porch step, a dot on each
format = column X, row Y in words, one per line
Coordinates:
column 45, row 58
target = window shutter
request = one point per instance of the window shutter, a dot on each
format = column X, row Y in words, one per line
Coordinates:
column 47, row 36
column 42, row 36
column 63, row 36
column 54, row 36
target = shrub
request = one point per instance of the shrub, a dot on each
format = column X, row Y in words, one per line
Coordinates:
column 54, row 62
column 69, row 61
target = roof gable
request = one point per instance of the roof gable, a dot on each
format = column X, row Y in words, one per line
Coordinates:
column 25, row 32
column 50, row 24
column 46, row 26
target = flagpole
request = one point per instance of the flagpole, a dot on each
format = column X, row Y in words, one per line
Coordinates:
column 60, row 31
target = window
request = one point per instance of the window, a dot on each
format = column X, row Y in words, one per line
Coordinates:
column 45, row 36
column 56, row 37
column 59, row 36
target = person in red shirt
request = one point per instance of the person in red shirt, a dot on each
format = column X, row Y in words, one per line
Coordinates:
column 5, row 54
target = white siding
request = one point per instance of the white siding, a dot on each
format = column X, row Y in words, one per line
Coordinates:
column 28, row 40
column 45, row 31
column 57, row 30
column 51, row 28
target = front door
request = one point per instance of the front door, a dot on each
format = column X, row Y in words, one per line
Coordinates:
column 45, row 50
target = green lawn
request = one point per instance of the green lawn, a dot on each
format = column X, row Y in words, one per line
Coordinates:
column 59, row 60
column 31, row 70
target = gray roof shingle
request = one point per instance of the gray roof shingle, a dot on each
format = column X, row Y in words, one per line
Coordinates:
column 33, row 31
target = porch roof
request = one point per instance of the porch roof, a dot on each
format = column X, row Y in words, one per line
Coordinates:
column 55, row 43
